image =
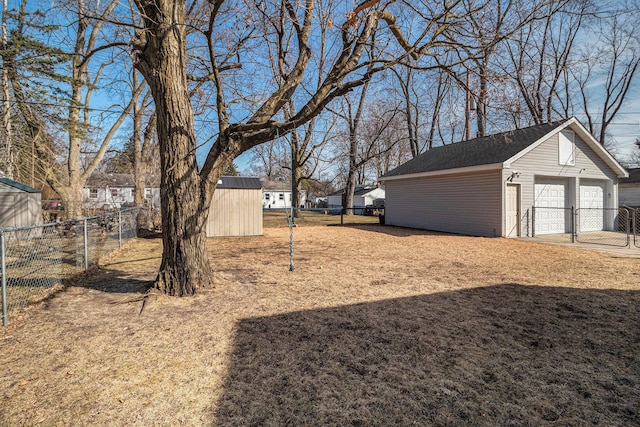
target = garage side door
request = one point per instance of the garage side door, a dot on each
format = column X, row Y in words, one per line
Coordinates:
column 550, row 203
column 592, row 207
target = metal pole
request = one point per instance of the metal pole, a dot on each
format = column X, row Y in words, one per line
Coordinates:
column 120, row 229
column 86, row 247
column 573, row 224
column 3, row 261
column 533, row 221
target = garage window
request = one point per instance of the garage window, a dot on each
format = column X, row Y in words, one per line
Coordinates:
column 566, row 148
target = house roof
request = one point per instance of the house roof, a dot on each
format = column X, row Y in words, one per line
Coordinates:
column 277, row 186
column 634, row 176
column 19, row 186
column 103, row 179
column 486, row 150
column 243, row 182
column 359, row 191
column 496, row 151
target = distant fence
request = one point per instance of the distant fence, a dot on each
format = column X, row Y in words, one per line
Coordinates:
column 323, row 216
column 601, row 226
column 33, row 260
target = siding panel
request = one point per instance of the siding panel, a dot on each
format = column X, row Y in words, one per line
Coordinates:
column 235, row 212
column 465, row 204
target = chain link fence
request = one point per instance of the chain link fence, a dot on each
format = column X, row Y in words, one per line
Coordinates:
column 35, row 260
column 603, row 226
column 599, row 226
column 635, row 225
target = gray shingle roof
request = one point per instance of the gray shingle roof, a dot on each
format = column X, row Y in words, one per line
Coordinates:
column 475, row 152
column 243, row 182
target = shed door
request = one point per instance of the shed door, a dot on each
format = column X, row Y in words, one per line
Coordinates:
column 592, row 206
column 550, row 203
column 513, row 210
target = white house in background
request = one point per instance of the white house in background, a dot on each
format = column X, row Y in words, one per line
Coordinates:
column 277, row 194
column 115, row 190
column 362, row 196
column 629, row 189
column 488, row 186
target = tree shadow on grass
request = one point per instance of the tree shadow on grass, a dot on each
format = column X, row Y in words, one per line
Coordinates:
column 497, row 355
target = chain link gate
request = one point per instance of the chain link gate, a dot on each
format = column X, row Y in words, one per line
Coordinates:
column 635, row 226
column 603, row 226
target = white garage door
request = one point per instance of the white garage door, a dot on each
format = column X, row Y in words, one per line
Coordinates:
column 592, row 206
column 550, row 207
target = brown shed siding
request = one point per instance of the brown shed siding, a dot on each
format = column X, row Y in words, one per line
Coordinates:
column 465, row 204
column 19, row 208
column 235, row 212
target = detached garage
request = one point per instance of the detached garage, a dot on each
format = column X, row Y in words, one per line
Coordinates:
column 511, row 184
column 236, row 208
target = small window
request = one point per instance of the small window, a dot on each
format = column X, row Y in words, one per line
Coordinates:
column 147, row 193
column 93, row 193
column 281, row 196
column 131, row 192
column 266, row 196
column 290, row 195
column 566, row 148
column 114, row 192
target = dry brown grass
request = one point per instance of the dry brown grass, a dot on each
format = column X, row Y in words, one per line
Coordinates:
column 376, row 326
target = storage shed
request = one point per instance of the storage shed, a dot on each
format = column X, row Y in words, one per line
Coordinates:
column 20, row 205
column 236, row 208
column 489, row 186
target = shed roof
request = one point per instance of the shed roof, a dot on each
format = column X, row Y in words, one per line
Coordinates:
column 243, row 182
column 486, row 150
column 634, row 176
column 19, row 186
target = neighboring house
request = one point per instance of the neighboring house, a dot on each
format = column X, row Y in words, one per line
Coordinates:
column 277, row 194
column 487, row 186
column 629, row 189
column 236, row 208
column 20, row 205
column 114, row 190
column 362, row 196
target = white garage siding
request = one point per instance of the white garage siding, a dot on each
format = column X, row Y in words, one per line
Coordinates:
column 464, row 204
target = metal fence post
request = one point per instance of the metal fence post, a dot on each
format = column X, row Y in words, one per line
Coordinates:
column 342, row 216
column 86, row 246
column 573, row 224
column 120, row 229
column 3, row 261
column 533, row 221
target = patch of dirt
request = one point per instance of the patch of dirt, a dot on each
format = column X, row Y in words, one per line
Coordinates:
column 376, row 326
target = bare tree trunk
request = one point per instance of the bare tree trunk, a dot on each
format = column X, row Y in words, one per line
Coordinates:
column 185, row 264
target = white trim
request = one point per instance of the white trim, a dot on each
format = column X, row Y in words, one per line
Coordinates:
column 480, row 168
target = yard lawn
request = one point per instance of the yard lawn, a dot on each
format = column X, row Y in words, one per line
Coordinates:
column 376, row 326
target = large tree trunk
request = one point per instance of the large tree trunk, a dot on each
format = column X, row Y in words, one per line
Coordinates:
column 185, row 264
